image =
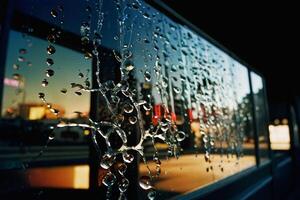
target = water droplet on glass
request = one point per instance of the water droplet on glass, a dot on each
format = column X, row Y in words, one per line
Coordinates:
column 147, row 76
column 122, row 168
column 206, row 156
column 51, row 38
column 116, row 38
column 16, row 66
column 180, row 136
column 49, row 72
column 49, row 61
column 152, row 194
column 53, row 13
column 127, row 157
column 135, row 6
column 29, row 64
column 115, row 99
column 88, row 55
column 146, row 16
column 80, row 75
column 144, row 182
column 22, row 51
column 63, row 90
column 44, row 83
column 21, row 59
column 16, row 76
column 146, row 41
column 51, row 50
column 205, row 138
column 164, row 127
column 41, row 95
column 78, row 93
column 128, row 108
column 132, row 119
column 165, row 82
column 123, row 185
column 176, row 90
column 107, row 161
column 173, row 68
column 51, row 136
column 109, row 179
column 54, row 111
column 147, row 106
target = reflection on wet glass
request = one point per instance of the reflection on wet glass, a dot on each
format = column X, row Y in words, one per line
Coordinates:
column 166, row 98
column 260, row 114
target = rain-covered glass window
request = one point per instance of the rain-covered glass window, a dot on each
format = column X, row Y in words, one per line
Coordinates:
column 152, row 105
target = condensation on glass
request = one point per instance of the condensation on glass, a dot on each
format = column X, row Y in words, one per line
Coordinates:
column 163, row 97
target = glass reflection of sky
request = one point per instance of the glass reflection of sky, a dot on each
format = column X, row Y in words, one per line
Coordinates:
column 257, row 83
column 66, row 66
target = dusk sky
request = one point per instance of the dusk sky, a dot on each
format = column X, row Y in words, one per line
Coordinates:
column 66, row 66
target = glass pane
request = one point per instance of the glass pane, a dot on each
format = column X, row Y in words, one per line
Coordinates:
column 260, row 114
column 170, row 113
column 37, row 94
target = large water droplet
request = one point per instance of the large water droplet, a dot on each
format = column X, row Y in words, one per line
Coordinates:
column 123, row 185
column 147, row 76
column 144, row 182
column 127, row 157
column 80, row 75
column 21, row 59
column 49, row 72
column 132, row 119
column 49, row 61
column 45, row 83
column 107, row 161
column 177, row 90
column 147, row 106
column 180, row 136
column 109, row 179
column 51, row 49
column 51, row 135
column 53, row 13
column 41, row 95
column 88, row 55
column 146, row 16
column 128, row 108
